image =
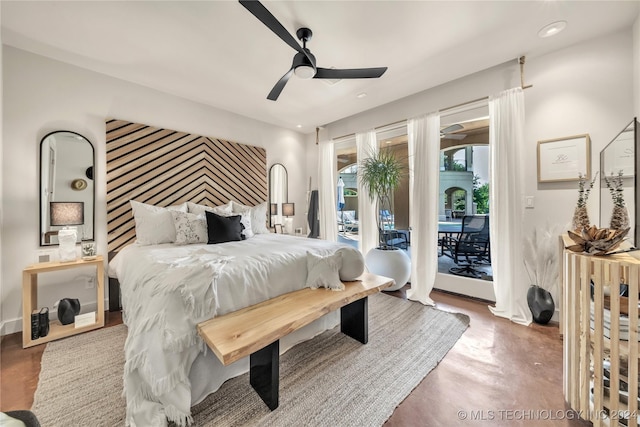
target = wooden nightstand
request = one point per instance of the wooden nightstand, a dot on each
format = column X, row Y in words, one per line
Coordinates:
column 30, row 300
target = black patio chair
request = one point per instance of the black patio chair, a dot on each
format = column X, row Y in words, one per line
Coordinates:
column 470, row 248
column 395, row 238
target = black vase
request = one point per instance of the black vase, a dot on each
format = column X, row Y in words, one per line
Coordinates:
column 68, row 309
column 541, row 304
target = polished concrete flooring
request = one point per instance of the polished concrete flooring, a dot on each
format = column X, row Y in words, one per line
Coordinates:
column 498, row 373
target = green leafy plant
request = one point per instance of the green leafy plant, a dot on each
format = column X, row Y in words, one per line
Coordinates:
column 583, row 193
column 381, row 174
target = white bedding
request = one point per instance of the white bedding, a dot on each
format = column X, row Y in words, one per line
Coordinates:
column 168, row 289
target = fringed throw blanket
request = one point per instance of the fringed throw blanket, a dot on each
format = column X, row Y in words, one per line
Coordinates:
column 162, row 304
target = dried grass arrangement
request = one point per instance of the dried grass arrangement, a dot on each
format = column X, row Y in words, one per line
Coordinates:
column 597, row 241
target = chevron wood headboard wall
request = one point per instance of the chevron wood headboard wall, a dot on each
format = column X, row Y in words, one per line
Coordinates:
column 164, row 167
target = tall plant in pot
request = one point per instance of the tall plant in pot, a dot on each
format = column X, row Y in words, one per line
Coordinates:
column 381, row 174
column 620, row 215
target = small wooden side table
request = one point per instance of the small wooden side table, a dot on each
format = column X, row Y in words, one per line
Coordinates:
column 30, row 300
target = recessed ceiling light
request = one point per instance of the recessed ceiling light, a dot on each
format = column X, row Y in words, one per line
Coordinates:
column 361, row 95
column 298, row 126
column 552, row 29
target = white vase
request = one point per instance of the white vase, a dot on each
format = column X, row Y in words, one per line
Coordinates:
column 393, row 263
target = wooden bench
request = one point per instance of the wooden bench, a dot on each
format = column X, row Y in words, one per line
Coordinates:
column 255, row 331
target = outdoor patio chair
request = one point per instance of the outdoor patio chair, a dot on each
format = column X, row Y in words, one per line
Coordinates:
column 395, row 238
column 470, row 248
column 348, row 221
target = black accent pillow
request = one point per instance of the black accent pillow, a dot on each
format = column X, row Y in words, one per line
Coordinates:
column 221, row 229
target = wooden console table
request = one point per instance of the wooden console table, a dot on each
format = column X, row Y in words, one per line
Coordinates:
column 30, row 300
column 600, row 342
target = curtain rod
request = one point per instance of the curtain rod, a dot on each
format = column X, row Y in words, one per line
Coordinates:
column 521, row 61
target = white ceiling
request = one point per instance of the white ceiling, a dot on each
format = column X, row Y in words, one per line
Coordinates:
column 217, row 53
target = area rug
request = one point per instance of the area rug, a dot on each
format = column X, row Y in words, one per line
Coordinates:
column 331, row 380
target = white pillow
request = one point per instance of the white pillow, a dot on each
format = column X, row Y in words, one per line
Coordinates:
column 323, row 271
column 190, row 228
column 200, row 209
column 154, row 224
column 258, row 216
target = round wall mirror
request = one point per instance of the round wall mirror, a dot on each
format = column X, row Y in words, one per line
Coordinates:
column 66, row 189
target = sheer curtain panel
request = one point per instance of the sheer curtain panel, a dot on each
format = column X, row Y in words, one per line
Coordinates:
column 506, row 145
column 366, row 145
column 327, row 191
column 424, row 182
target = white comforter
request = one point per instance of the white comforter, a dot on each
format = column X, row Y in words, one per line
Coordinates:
column 167, row 290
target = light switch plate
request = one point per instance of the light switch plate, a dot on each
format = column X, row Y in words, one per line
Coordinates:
column 528, row 202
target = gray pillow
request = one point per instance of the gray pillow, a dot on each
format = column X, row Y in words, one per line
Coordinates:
column 323, row 271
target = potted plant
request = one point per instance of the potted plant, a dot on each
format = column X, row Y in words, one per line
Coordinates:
column 541, row 263
column 620, row 215
column 380, row 175
column 580, row 215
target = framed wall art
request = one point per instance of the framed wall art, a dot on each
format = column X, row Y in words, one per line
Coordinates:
column 564, row 159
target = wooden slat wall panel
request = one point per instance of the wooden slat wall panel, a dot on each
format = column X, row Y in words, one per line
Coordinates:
column 164, row 167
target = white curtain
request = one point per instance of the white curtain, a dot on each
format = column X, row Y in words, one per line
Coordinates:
column 506, row 145
column 327, row 191
column 366, row 145
column 424, row 182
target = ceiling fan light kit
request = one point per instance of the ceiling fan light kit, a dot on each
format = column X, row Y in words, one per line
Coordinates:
column 304, row 63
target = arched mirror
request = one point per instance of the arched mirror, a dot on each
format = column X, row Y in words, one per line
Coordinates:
column 619, row 163
column 66, row 186
column 278, row 193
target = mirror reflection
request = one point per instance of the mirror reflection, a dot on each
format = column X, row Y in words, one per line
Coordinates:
column 618, row 164
column 66, row 186
column 278, row 188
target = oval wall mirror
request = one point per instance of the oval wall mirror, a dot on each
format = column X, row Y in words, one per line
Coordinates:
column 66, row 186
column 278, row 189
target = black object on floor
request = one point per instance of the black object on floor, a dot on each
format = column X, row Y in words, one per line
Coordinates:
column 541, row 304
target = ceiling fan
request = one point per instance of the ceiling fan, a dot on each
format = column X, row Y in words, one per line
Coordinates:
column 304, row 63
column 447, row 132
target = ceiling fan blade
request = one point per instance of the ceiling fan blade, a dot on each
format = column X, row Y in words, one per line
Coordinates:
column 453, row 135
column 275, row 92
column 259, row 11
column 353, row 73
column 452, row 128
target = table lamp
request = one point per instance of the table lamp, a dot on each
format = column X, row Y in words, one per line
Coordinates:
column 65, row 214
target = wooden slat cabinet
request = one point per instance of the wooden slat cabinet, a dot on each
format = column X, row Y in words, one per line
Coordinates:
column 600, row 342
column 30, row 300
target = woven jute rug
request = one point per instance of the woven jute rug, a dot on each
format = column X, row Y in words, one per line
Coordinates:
column 331, row 380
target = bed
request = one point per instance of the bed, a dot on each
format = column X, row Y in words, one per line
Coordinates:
column 167, row 289
column 162, row 186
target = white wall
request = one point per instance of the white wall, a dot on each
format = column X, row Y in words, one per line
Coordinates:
column 42, row 95
column 580, row 89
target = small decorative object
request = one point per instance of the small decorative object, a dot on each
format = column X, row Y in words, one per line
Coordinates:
column 620, row 215
column 597, row 241
column 88, row 250
column 68, row 308
column 541, row 304
column 580, row 215
column 44, row 321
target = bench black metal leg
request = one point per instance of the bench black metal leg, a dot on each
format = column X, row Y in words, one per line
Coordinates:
column 354, row 320
column 264, row 373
